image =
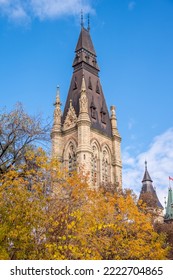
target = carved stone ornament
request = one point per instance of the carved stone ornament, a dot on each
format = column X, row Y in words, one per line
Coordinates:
column 83, row 103
column 71, row 118
column 57, row 115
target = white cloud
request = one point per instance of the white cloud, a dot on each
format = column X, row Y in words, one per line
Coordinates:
column 55, row 8
column 43, row 9
column 160, row 165
column 131, row 5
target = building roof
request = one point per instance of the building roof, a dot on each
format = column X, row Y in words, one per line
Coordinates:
column 85, row 64
column 85, row 42
column 147, row 187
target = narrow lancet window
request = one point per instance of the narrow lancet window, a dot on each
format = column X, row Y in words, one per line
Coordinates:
column 71, row 159
column 105, row 167
column 94, row 166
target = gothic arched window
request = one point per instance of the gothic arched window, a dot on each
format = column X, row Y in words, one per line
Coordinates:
column 71, row 158
column 105, row 167
column 94, row 166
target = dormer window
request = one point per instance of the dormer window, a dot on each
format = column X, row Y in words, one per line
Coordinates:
column 90, row 84
column 93, row 113
column 97, row 88
column 94, row 62
column 76, row 58
column 87, row 58
column 103, row 116
column 75, row 84
column 93, row 109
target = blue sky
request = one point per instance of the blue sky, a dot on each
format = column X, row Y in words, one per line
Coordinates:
column 133, row 42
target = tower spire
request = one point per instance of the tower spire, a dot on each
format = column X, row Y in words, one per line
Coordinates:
column 57, row 111
column 82, row 23
column 58, row 102
column 88, row 23
column 147, row 187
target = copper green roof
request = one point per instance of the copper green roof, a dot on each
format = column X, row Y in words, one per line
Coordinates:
column 169, row 207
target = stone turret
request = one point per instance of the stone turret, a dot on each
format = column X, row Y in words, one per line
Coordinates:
column 116, row 141
column 149, row 196
column 56, row 134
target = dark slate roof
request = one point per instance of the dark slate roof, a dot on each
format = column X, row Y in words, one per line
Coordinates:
column 85, row 42
column 147, row 186
column 146, row 177
column 85, row 63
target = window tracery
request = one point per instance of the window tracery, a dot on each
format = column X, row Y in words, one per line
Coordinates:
column 71, row 158
column 105, row 167
column 94, row 166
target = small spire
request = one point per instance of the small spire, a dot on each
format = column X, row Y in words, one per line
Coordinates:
column 88, row 23
column 57, row 102
column 82, row 23
column 57, row 94
column 83, row 86
column 112, row 108
column 57, row 90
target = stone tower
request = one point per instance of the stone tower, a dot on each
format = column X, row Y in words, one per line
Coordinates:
column 85, row 134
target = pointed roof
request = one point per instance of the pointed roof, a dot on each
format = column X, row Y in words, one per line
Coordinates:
column 146, row 175
column 85, row 42
column 85, row 67
column 169, row 207
column 85, row 53
column 147, row 187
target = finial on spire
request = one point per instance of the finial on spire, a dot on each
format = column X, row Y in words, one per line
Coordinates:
column 57, row 90
column 82, row 23
column 145, row 165
column 88, row 22
column 57, row 102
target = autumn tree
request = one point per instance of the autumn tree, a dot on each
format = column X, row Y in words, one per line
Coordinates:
column 45, row 213
column 18, row 131
column 99, row 224
column 22, row 209
column 167, row 230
